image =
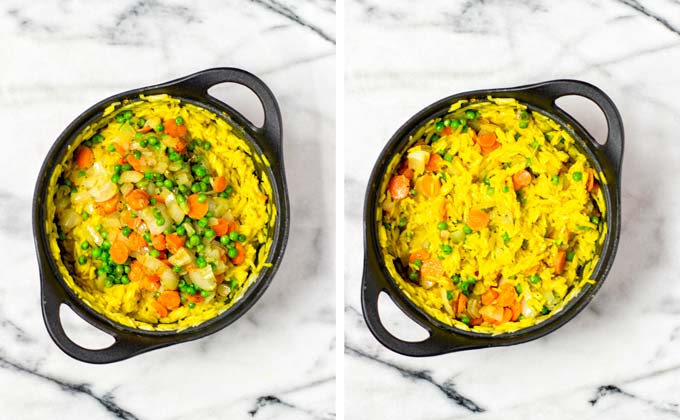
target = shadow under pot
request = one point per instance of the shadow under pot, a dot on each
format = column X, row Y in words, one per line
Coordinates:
column 195, row 226
column 488, row 163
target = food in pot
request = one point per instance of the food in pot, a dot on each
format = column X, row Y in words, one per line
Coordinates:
column 492, row 219
column 162, row 216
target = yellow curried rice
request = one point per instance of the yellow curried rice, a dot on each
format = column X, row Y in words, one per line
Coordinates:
column 159, row 216
column 492, row 219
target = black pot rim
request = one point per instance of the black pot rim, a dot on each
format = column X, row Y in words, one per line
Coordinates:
column 265, row 141
column 538, row 97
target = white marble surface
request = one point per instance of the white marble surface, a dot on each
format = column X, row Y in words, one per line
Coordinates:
column 620, row 358
column 60, row 57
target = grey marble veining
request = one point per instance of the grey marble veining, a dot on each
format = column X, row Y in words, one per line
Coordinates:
column 618, row 359
column 59, row 58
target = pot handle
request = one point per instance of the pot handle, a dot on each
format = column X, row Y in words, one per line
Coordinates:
column 124, row 346
column 553, row 90
column 437, row 343
column 271, row 130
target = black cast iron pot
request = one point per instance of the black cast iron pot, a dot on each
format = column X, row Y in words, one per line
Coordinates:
column 129, row 341
column 442, row 338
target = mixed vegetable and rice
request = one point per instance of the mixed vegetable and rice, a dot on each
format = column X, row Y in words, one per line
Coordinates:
column 162, row 217
column 492, row 219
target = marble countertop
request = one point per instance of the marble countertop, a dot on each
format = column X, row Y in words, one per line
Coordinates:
column 59, row 58
column 618, row 359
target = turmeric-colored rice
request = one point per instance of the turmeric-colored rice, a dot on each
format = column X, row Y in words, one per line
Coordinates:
column 491, row 220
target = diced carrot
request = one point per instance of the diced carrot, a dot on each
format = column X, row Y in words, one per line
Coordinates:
column 219, row 278
column 241, row 257
column 170, row 299
column 158, row 198
column 84, row 157
column 136, row 163
column 194, row 298
column 129, row 221
column 120, row 149
column 219, row 184
column 197, row 209
column 434, row 162
column 109, row 206
column 432, row 269
column 447, row 131
column 486, row 140
column 162, row 311
column 137, row 199
column 119, row 252
column 560, row 261
column 533, row 270
column 521, row 179
column 492, row 313
column 158, row 241
column 507, row 314
column 180, row 146
column 507, row 295
column 233, row 227
column 429, row 185
column 477, row 219
column 220, row 228
column 408, row 173
column 153, row 278
column 489, row 297
column 461, row 303
column 145, row 129
column 516, row 309
column 136, row 271
column 591, row 180
column 420, row 254
column 171, row 128
column 136, row 242
column 487, row 150
column 166, row 262
column 399, row 187
column 443, row 210
column 476, row 321
column 174, row 242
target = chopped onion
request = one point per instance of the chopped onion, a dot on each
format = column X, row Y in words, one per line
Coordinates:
column 527, row 310
column 126, row 188
column 131, row 176
column 417, row 160
column 96, row 237
column 181, row 257
column 182, row 178
column 173, row 208
column 150, row 220
column 169, row 279
column 223, row 290
column 69, row 219
column 104, row 191
column 203, row 278
column 473, row 307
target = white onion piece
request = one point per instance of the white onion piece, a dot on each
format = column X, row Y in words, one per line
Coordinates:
column 175, row 166
column 417, row 160
column 203, row 278
column 220, row 267
column 473, row 306
column 182, row 178
column 126, row 188
column 169, row 279
column 182, row 257
column 150, row 220
column 104, row 191
column 81, row 197
column 223, row 290
column 527, row 310
column 69, row 219
column 131, row 176
column 96, row 237
column 174, row 210
column 151, row 264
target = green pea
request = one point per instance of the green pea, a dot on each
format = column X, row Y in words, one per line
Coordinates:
column 413, row 275
column 534, row 279
column 153, row 140
column 448, row 157
column 183, row 189
column 179, row 121
column 518, row 288
column 120, row 118
column 97, row 252
column 119, row 270
column 108, row 284
column 194, row 240
column 465, row 319
column 467, row 229
column 168, row 230
column 439, row 126
column 147, row 236
column 576, row 176
column 203, row 222
column 127, row 114
column 455, row 279
column 160, row 221
column 232, row 252
column 442, row 225
column 149, row 175
column 126, row 231
column 200, row 171
column 570, row 255
column 126, row 167
column 490, row 190
column 205, row 293
column 506, row 237
column 434, row 138
column 177, row 269
column 233, row 236
column 140, row 123
column 523, row 124
column 159, row 128
column 181, row 230
column 196, row 188
column 223, row 194
column 143, row 143
column 203, row 186
column 241, row 237
column 168, row 183
column 174, row 156
column 470, row 114
column 544, row 310
column 209, row 233
column 202, row 198
column 200, row 247
column 446, row 249
column 115, row 178
column 506, row 188
column 105, row 234
column 417, row 263
column 152, row 201
column 111, row 148
column 124, row 279
column 201, row 262
column 206, row 145
column 523, row 115
column 154, row 253
column 595, row 220
column 97, row 138
column 555, row 179
column 84, row 245
column 229, row 190
column 455, row 124
column 403, row 222
column 82, row 260
column 117, row 168
column 208, row 214
column 85, row 215
column 191, row 305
